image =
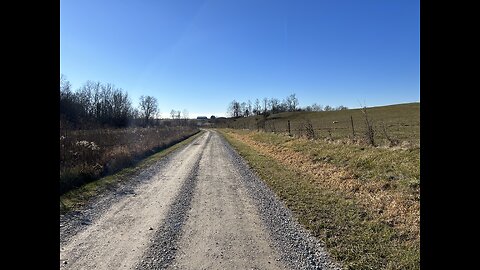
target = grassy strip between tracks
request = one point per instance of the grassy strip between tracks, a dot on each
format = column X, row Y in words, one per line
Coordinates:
column 76, row 198
column 353, row 232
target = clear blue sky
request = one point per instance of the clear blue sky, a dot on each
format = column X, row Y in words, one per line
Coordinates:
column 199, row 55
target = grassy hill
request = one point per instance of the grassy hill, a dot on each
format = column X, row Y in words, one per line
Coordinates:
column 362, row 201
column 401, row 122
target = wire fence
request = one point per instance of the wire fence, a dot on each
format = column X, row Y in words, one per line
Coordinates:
column 382, row 132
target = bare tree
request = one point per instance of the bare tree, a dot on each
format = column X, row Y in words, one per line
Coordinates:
column 178, row 115
column 243, row 109
column 69, row 109
column 265, row 104
column 234, row 109
column 105, row 106
column 95, row 104
column 274, row 105
column 291, row 103
column 257, row 109
column 135, row 113
column 96, row 99
column 121, row 108
column 295, row 102
column 65, row 85
column 369, row 132
column 148, row 108
column 85, row 98
column 173, row 113
column 316, row 107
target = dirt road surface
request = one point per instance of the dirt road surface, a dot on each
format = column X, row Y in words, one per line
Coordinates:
column 201, row 207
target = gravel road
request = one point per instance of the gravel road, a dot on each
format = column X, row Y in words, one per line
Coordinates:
column 201, row 207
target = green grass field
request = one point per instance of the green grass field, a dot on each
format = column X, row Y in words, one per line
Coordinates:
column 401, row 122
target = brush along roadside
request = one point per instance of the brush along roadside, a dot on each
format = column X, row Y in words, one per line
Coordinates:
column 78, row 197
column 87, row 155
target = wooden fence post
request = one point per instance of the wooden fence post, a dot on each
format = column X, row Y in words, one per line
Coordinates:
column 353, row 129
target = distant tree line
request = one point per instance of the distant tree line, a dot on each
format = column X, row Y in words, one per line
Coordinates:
column 97, row 104
column 268, row 106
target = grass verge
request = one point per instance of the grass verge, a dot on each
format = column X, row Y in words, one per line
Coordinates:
column 78, row 197
column 353, row 232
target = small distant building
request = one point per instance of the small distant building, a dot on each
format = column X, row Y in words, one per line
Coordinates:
column 202, row 121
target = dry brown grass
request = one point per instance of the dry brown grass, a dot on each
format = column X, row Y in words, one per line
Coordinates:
column 394, row 207
column 321, row 183
column 77, row 198
column 87, row 155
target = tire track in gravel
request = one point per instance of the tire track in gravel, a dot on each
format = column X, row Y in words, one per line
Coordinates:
column 223, row 230
column 164, row 243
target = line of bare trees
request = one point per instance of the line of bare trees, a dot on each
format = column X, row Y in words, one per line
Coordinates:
column 180, row 117
column 97, row 104
column 269, row 106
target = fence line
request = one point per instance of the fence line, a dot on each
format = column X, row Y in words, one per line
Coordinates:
column 344, row 128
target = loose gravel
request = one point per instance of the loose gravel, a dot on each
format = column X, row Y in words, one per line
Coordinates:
column 162, row 250
column 293, row 246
